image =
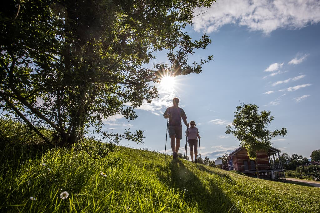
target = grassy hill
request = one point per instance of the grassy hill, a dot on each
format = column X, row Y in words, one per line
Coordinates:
column 89, row 178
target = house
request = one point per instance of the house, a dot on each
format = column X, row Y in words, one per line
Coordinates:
column 268, row 163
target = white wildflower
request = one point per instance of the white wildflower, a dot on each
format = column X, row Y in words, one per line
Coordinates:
column 33, row 198
column 43, row 164
column 64, row 195
column 103, row 174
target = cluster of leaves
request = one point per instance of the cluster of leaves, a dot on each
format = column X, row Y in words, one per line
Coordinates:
column 250, row 127
column 310, row 172
column 67, row 65
column 315, row 155
column 293, row 161
column 206, row 161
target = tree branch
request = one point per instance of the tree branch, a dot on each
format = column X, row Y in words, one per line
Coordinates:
column 24, row 118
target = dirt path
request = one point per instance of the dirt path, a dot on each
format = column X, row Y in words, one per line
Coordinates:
column 309, row 182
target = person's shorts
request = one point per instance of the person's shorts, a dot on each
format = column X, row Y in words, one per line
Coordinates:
column 175, row 131
column 193, row 143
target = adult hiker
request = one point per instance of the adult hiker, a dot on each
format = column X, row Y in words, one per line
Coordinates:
column 192, row 134
column 175, row 114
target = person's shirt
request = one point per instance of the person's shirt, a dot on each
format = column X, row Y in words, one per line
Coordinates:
column 192, row 133
column 175, row 115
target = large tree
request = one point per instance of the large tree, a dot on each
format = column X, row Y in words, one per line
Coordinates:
column 67, row 64
column 315, row 155
column 250, row 127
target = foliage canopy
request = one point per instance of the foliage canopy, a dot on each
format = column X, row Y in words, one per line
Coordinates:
column 250, row 127
column 66, row 65
column 315, row 155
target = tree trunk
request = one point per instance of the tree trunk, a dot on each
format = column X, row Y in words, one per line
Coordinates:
column 257, row 168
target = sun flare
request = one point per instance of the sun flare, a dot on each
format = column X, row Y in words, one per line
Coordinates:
column 168, row 83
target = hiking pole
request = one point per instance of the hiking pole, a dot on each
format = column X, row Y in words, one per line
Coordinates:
column 186, row 143
column 165, row 146
column 199, row 146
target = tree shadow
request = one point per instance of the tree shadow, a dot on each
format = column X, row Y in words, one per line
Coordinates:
column 14, row 155
column 208, row 198
column 226, row 176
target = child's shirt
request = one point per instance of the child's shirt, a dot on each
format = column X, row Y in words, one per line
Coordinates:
column 192, row 133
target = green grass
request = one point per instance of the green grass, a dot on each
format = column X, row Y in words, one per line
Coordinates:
column 128, row 180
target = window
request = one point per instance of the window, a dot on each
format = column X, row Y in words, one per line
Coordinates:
column 245, row 163
column 252, row 165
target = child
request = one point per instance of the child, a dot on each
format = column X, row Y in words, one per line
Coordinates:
column 193, row 134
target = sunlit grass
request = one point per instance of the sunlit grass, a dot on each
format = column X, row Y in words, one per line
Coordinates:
column 128, row 180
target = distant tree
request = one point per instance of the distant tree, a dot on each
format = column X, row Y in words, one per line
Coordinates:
column 250, row 128
column 206, row 161
column 212, row 163
column 224, row 159
column 315, row 155
column 285, row 159
column 293, row 161
column 67, row 65
column 200, row 159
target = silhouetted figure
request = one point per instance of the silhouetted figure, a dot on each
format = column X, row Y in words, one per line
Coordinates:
column 192, row 134
column 175, row 114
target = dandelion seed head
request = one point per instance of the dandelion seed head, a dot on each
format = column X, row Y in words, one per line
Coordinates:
column 103, row 174
column 64, row 195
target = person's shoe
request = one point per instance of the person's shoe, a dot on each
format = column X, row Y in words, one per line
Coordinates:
column 196, row 161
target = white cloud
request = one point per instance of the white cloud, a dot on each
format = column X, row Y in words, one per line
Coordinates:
column 279, row 139
column 274, row 67
column 114, row 121
column 301, row 98
column 218, row 151
column 276, row 101
column 288, row 80
column 221, row 148
column 298, row 77
column 273, row 74
column 157, row 104
column 114, row 118
column 258, row 15
column 269, row 92
column 220, row 122
column 290, row 89
column 281, row 82
column 223, row 136
column 297, row 60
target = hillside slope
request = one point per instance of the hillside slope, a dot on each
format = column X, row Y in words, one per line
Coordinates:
column 129, row 180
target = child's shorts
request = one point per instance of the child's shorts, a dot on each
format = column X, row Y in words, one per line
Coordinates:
column 193, row 143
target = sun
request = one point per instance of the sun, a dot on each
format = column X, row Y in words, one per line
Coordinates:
column 168, row 83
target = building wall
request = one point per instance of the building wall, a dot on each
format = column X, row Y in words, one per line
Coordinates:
column 241, row 156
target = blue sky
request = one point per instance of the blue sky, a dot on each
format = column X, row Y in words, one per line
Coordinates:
column 266, row 53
